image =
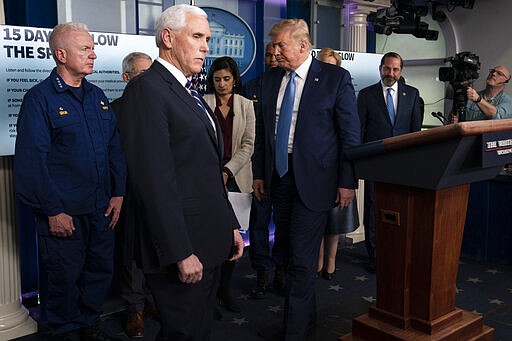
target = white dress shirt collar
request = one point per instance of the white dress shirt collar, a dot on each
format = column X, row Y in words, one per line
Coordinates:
column 302, row 70
column 394, row 87
column 173, row 70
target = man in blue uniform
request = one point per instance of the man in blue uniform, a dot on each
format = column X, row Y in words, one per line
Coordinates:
column 70, row 169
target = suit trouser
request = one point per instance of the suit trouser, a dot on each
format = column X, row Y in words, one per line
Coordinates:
column 75, row 273
column 185, row 310
column 133, row 288
column 298, row 235
column 131, row 278
column 369, row 219
column 259, row 247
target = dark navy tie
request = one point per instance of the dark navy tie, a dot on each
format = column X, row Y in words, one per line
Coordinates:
column 283, row 126
column 391, row 106
column 197, row 98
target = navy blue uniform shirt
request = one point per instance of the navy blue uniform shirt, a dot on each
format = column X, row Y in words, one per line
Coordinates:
column 68, row 155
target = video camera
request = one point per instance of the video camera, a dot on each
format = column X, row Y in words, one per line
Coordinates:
column 464, row 70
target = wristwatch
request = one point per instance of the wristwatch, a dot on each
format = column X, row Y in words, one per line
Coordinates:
column 478, row 99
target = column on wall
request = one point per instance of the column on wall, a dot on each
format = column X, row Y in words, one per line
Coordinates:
column 14, row 319
column 358, row 10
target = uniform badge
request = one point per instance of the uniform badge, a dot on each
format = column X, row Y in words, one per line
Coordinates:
column 103, row 106
column 62, row 112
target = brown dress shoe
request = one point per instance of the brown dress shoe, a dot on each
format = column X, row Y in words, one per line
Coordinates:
column 135, row 324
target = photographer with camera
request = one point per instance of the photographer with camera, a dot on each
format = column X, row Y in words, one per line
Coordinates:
column 490, row 103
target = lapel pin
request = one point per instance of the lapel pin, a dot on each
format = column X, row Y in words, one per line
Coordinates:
column 316, row 79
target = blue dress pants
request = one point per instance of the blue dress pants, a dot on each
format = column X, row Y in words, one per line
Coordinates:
column 298, row 235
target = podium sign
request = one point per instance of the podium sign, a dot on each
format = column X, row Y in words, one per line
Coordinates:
column 497, row 148
column 421, row 191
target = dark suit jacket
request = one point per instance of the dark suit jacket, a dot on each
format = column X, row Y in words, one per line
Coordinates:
column 175, row 181
column 327, row 123
column 373, row 112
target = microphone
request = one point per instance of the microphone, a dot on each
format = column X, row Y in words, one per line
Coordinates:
column 439, row 115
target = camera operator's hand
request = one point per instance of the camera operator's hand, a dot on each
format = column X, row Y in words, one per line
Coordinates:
column 488, row 109
column 472, row 94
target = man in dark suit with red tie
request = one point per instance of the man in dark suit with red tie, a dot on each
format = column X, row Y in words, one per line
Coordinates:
column 173, row 147
column 309, row 117
column 387, row 108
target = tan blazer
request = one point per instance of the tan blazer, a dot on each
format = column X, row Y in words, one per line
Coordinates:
column 243, row 140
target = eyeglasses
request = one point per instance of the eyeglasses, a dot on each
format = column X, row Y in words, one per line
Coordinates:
column 498, row 72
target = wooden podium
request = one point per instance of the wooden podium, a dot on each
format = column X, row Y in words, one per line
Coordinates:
column 421, row 191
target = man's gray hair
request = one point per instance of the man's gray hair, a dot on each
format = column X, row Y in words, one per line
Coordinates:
column 56, row 42
column 130, row 58
column 174, row 19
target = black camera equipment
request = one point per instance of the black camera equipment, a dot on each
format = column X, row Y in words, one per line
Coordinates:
column 403, row 17
column 463, row 72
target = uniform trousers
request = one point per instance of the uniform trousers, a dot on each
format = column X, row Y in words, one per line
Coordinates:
column 75, row 273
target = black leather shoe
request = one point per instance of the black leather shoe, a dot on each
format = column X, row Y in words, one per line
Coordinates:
column 279, row 283
column 94, row 333
column 260, row 291
column 227, row 301
column 328, row 275
column 217, row 315
column 371, row 267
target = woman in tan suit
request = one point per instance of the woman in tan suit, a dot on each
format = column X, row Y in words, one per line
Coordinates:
column 236, row 118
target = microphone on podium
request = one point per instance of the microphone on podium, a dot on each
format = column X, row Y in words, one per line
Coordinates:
column 439, row 115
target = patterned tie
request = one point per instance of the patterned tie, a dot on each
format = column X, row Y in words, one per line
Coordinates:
column 391, row 106
column 197, row 98
column 283, row 126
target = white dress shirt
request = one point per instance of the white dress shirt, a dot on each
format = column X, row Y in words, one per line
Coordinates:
column 300, row 79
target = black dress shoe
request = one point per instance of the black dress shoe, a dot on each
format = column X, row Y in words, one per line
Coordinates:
column 227, row 301
column 279, row 283
column 260, row 291
column 217, row 315
column 94, row 333
column 328, row 275
column 371, row 267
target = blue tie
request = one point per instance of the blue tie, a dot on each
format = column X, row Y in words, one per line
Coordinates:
column 283, row 126
column 391, row 107
column 197, row 98
column 195, row 94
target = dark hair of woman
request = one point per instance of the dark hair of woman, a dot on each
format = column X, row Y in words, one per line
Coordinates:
column 225, row 63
